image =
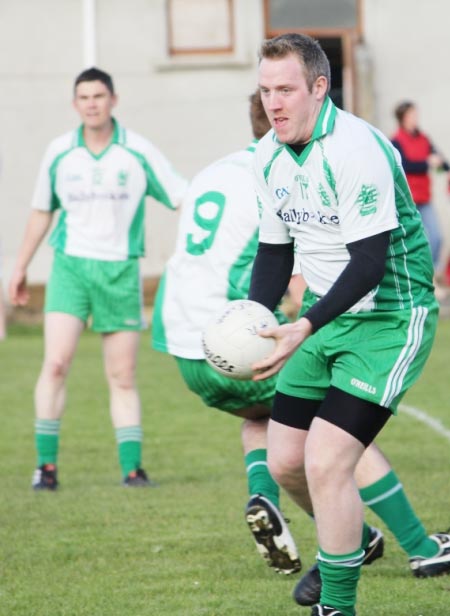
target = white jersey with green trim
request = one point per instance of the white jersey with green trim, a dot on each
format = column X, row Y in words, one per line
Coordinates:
column 347, row 184
column 216, row 245
column 102, row 198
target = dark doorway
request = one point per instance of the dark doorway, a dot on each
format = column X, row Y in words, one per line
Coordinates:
column 333, row 49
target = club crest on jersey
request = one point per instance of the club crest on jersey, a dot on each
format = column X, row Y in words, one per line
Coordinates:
column 303, row 182
column 122, row 178
column 97, row 176
column 367, row 199
column 324, row 196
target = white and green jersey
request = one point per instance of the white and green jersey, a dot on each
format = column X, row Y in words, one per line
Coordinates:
column 216, row 245
column 102, row 198
column 346, row 185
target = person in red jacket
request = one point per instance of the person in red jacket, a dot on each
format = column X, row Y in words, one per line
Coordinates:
column 419, row 157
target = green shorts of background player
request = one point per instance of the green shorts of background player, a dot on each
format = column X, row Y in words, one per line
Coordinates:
column 108, row 294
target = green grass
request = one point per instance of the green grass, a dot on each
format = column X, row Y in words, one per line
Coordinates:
column 182, row 548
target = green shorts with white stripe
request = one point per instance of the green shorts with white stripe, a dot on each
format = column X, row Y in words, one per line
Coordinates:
column 376, row 356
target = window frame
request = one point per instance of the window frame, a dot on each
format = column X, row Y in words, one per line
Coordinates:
column 175, row 52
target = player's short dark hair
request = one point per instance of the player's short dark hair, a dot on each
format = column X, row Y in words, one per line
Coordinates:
column 258, row 118
column 307, row 49
column 95, row 74
column 401, row 109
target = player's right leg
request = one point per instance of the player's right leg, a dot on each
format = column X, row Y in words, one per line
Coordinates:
column 66, row 310
column 61, row 334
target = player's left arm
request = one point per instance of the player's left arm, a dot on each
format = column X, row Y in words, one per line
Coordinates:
column 164, row 183
column 367, row 215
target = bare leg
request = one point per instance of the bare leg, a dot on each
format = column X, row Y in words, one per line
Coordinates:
column 286, row 462
column 61, row 335
column 120, row 356
column 331, row 456
column 372, row 467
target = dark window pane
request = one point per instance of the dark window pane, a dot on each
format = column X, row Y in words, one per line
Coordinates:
column 312, row 14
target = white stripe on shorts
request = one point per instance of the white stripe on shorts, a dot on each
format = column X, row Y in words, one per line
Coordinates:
column 407, row 356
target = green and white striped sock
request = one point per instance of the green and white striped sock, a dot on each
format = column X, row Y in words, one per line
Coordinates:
column 46, row 433
column 129, row 442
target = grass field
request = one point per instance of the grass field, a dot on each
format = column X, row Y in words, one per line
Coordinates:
column 182, row 548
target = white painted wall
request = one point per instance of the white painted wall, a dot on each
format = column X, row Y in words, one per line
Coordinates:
column 193, row 110
column 410, row 46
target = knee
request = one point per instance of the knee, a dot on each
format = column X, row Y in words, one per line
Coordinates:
column 317, row 471
column 55, row 369
column 322, row 471
column 121, row 378
column 287, row 469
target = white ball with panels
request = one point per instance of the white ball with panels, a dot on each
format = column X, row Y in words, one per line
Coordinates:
column 231, row 341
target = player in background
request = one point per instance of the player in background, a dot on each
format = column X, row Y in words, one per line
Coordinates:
column 98, row 177
column 332, row 186
column 215, row 248
column 419, row 159
column 216, row 243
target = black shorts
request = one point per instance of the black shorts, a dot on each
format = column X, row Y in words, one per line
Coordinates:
column 360, row 418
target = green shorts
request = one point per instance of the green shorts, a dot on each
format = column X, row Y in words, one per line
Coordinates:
column 221, row 392
column 376, row 356
column 109, row 291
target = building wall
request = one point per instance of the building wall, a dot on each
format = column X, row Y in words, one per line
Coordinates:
column 193, row 109
column 408, row 44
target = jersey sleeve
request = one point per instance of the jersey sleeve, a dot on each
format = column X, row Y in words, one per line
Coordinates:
column 163, row 183
column 272, row 229
column 366, row 194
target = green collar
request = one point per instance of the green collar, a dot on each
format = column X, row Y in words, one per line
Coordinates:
column 117, row 137
column 324, row 125
column 325, row 121
column 251, row 147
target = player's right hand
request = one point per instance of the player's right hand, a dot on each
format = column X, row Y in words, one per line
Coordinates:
column 18, row 290
column 288, row 337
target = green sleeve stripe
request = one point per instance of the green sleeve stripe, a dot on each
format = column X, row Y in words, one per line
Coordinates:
column 268, row 167
column 159, row 341
column 136, row 234
column 154, row 186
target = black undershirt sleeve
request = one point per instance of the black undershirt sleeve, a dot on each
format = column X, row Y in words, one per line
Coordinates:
column 363, row 273
column 272, row 270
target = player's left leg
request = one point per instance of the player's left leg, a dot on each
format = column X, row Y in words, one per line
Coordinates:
column 382, row 491
column 266, row 522
column 252, row 402
column 120, row 355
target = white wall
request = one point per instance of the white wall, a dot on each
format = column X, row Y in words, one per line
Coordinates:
column 409, row 44
column 194, row 111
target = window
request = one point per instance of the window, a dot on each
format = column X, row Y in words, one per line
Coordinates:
column 200, row 27
column 316, row 15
